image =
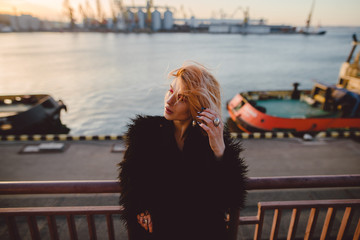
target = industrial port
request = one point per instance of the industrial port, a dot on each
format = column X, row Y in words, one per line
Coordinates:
column 150, row 18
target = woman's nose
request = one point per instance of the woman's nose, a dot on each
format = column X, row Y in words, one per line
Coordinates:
column 171, row 99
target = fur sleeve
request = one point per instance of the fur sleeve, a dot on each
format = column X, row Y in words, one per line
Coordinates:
column 234, row 173
column 133, row 170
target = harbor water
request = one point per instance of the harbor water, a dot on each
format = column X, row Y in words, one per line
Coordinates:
column 107, row 78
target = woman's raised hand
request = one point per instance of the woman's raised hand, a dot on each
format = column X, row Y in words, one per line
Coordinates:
column 144, row 219
column 213, row 126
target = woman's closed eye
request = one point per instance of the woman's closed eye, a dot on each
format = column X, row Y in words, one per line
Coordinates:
column 181, row 98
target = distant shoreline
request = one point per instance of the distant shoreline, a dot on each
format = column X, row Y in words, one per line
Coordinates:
column 165, row 32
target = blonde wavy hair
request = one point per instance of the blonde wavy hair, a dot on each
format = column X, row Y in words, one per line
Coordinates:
column 201, row 89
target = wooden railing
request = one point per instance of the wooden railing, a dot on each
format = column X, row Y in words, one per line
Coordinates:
column 314, row 207
column 112, row 186
column 51, row 212
column 86, row 187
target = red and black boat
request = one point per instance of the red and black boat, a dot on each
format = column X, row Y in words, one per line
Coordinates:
column 323, row 108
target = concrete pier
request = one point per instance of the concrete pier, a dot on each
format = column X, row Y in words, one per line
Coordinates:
column 94, row 160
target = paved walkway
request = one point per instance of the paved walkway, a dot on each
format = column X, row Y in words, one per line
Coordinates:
column 93, row 160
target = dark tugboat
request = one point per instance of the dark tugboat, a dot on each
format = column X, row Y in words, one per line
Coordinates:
column 334, row 107
column 31, row 114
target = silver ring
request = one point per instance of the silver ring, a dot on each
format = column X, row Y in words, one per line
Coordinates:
column 216, row 122
column 145, row 221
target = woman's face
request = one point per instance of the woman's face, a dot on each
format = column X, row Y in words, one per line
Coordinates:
column 176, row 105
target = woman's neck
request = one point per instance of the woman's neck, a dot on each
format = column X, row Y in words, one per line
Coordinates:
column 181, row 132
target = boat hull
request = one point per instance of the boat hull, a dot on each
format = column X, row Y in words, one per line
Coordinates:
column 250, row 119
column 31, row 114
column 314, row 33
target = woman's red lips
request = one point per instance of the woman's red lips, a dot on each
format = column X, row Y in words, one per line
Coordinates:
column 168, row 110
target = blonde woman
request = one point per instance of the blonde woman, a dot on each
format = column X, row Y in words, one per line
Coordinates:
column 181, row 172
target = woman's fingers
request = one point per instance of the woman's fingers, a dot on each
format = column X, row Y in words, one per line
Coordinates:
column 215, row 132
column 149, row 222
column 138, row 219
column 208, row 116
column 145, row 221
column 150, row 225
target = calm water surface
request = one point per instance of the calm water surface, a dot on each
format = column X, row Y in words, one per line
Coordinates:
column 106, row 79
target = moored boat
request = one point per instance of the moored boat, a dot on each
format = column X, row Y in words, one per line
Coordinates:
column 307, row 30
column 31, row 114
column 323, row 108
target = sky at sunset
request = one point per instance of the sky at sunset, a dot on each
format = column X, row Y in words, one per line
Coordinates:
column 293, row 12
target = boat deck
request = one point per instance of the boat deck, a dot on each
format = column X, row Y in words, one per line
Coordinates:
column 13, row 109
column 289, row 108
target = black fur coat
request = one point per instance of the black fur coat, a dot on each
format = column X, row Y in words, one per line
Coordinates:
column 186, row 192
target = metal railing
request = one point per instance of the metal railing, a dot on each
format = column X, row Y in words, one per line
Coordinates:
column 112, row 186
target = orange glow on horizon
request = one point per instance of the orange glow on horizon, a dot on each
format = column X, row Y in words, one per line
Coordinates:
column 326, row 13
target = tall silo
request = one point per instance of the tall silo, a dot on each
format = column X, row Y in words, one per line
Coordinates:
column 141, row 19
column 155, row 20
column 168, row 20
column 130, row 20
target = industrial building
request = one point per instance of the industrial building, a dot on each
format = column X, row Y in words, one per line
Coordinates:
column 145, row 18
column 26, row 23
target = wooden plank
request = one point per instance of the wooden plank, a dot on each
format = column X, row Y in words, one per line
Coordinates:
column 357, row 231
column 45, row 211
column 34, row 230
column 56, row 187
column 293, row 223
column 72, row 227
column 248, row 220
column 110, row 226
column 113, row 186
column 328, row 223
column 52, row 227
column 344, row 223
column 259, row 225
column 276, row 224
column 12, row 227
column 310, row 204
column 91, row 226
column 314, row 213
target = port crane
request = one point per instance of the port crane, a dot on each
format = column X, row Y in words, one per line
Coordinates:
column 100, row 14
column 69, row 12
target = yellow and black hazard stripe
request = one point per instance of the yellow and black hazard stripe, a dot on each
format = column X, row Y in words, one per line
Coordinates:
column 59, row 137
column 255, row 135
column 65, row 137
column 338, row 134
column 262, row 135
